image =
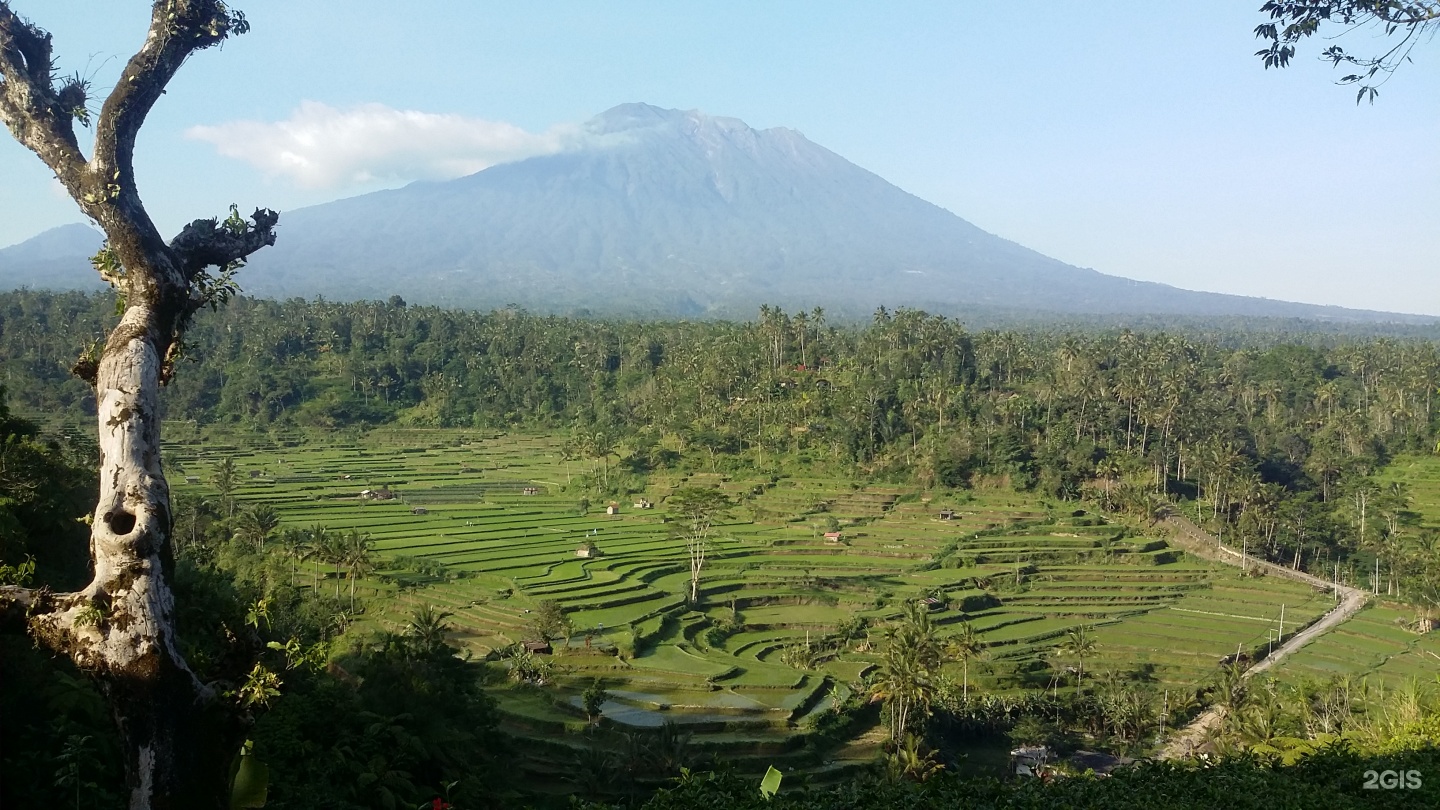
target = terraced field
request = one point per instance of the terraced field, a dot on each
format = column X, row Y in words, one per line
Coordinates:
column 495, row 510
column 1374, row 645
column 1378, row 644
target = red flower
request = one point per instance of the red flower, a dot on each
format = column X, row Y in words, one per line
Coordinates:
column 439, row 804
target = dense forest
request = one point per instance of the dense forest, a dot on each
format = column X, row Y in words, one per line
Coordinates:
column 1271, row 440
column 1276, row 435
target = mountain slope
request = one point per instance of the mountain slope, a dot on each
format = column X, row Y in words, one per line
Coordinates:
column 672, row 212
column 58, row 259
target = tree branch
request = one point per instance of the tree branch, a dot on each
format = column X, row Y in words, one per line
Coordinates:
column 30, row 106
column 207, row 242
column 56, row 620
column 178, row 28
column 17, row 604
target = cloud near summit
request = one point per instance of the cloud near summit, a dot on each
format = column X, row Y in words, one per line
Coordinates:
column 320, row 146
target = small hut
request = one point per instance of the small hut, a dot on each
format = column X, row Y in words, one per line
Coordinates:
column 834, row 537
column 536, row 647
column 947, row 514
column 419, row 510
column 530, row 491
column 644, row 504
column 932, row 603
column 589, row 551
column 612, row 509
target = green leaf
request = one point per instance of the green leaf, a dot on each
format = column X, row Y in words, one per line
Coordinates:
column 252, row 781
column 770, row 785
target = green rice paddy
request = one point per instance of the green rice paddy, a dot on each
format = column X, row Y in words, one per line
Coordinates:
column 501, row 514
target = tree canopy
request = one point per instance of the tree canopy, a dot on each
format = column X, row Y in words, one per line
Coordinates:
column 1404, row 24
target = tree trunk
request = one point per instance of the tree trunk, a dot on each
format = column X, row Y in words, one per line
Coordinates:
column 178, row 735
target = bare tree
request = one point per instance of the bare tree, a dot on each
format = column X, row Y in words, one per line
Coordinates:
column 697, row 509
column 179, row 734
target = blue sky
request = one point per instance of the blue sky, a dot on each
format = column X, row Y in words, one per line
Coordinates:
column 1142, row 139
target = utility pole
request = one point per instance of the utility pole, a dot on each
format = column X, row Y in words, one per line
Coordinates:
column 1164, row 713
column 1282, row 621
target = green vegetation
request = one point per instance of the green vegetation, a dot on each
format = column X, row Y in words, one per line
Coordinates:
column 917, row 544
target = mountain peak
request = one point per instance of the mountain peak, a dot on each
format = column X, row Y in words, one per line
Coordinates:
column 636, row 117
column 679, row 212
column 56, row 259
column 56, row 243
column 629, row 117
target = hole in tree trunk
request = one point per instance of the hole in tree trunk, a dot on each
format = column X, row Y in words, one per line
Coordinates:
column 121, row 522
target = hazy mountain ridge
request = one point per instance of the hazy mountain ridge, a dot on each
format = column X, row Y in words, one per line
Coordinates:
column 673, row 212
column 58, row 259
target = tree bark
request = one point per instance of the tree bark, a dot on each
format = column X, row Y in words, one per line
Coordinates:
column 179, row 734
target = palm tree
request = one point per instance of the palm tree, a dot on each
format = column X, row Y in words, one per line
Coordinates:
column 296, row 544
column 427, row 628
column 356, row 558
column 226, row 479
column 670, row 748
column 594, row 770
column 911, row 760
column 257, row 523
column 319, row 540
column 334, row 551
column 1261, row 722
column 1230, row 692
column 1078, row 644
column 965, row 645
column 912, row 657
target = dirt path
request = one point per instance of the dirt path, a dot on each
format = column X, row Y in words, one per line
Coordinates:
column 1191, row 538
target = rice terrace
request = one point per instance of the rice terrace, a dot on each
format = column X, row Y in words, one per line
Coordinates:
column 803, row 576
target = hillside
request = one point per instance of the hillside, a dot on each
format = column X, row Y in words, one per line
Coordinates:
column 57, row 259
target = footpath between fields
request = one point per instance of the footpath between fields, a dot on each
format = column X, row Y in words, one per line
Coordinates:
column 1191, row 538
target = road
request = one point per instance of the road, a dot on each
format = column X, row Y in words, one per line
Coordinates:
column 1191, row 538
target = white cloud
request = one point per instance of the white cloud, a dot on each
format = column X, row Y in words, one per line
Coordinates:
column 320, row 146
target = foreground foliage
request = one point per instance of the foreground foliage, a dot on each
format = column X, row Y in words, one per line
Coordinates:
column 1331, row 780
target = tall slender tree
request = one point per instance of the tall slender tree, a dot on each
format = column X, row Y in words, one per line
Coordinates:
column 1079, row 644
column 965, row 645
column 697, row 509
column 357, row 556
